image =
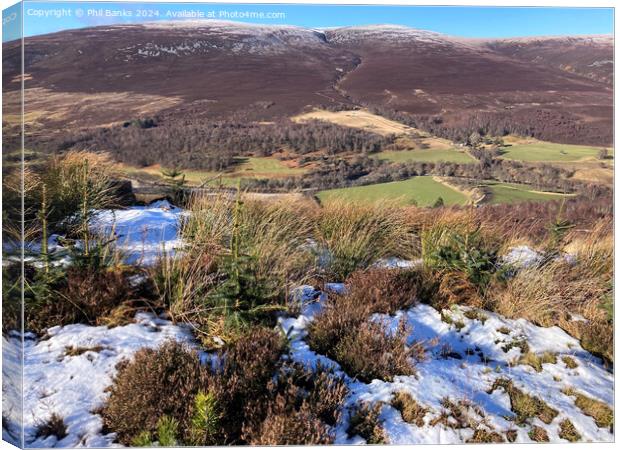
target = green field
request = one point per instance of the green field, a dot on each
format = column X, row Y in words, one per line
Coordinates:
column 427, row 155
column 547, row 151
column 515, row 193
column 423, row 191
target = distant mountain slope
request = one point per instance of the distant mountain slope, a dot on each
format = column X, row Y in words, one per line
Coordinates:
column 589, row 56
column 218, row 69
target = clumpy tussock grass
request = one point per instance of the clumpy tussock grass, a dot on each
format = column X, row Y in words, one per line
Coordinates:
column 568, row 431
column 554, row 293
column 538, row 434
column 411, row 411
column 244, row 257
column 602, row 414
column 524, row 405
column 353, row 236
column 536, row 361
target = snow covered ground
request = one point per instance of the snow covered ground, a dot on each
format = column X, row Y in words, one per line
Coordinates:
column 143, row 232
column 68, row 371
column 464, row 360
column 74, row 386
column 59, row 380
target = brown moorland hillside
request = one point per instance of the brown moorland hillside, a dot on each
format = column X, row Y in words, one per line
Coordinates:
column 95, row 77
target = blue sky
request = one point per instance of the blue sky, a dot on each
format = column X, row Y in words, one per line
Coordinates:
column 457, row 20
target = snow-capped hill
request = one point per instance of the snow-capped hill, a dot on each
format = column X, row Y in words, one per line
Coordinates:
column 383, row 34
column 183, row 38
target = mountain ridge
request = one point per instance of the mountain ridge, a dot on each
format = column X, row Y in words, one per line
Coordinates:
column 220, row 68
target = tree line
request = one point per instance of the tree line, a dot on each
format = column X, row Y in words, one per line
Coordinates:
column 214, row 145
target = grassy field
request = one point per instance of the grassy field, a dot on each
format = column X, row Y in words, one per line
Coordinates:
column 423, row 191
column 515, row 193
column 246, row 168
column 428, row 155
column 362, row 119
column 538, row 151
column 266, row 167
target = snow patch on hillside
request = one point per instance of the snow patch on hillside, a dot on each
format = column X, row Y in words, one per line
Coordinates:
column 143, row 233
column 463, row 363
column 74, row 386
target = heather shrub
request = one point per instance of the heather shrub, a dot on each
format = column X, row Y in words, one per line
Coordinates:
column 285, row 416
column 364, row 421
column 326, row 396
column 247, row 366
column 297, row 427
column 384, row 290
column 79, row 295
column 370, row 352
column 340, row 315
column 352, row 236
column 155, row 383
column 366, row 349
column 54, row 425
column 368, row 291
column 12, row 295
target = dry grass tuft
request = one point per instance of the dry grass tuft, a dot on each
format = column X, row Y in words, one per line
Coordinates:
column 353, row 236
column 570, row 362
column 482, row 436
column 568, row 431
column 53, row 426
column 538, row 434
column 411, row 411
column 537, row 361
column 524, row 405
column 77, row 351
column 602, row 414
